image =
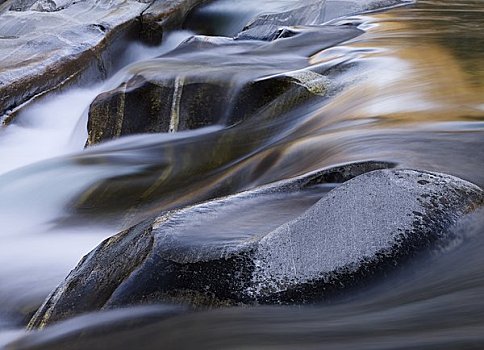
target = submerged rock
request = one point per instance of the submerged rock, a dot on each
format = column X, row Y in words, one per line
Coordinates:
column 48, row 44
column 219, row 253
column 209, row 81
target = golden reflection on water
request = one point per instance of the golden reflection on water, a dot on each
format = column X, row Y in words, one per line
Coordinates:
column 414, row 95
column 415, row 74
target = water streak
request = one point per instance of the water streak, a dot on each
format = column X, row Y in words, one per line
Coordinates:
column 409, row 90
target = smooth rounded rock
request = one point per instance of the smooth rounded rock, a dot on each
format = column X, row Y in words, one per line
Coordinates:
column 208, row 81
column 218, row 253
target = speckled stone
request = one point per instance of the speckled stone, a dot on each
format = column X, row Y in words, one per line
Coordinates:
column 212, row 254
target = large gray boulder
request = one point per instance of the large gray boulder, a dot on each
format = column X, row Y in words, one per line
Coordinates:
column 49, row 44
column 242, row 250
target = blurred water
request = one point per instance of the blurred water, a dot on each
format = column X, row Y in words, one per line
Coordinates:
column 34, row 254
column 409, row 90
column 223, row 18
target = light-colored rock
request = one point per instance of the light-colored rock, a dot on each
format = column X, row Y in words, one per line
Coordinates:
column 263, row 21
column 46, row 44
column 340, row 8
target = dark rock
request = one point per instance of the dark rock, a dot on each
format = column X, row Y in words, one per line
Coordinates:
column 210, row 81
column 216, row 253
column 188, row 102
column 164, row 15
column 216, row 18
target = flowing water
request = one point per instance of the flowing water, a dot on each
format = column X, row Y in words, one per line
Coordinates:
column 409, row 90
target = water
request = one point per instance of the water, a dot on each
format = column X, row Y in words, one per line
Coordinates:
column 45, row 130
column 409, row 90
column 223, row 18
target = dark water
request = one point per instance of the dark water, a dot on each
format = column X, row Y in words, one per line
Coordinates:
column 409, row 90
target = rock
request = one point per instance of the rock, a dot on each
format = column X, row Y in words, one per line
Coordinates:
column 190, row 102
column 264, row 22
column 340, row 8
column 238, row 250
column 221, row 19
column 164, row 15
column 196, row 85
column 302, row 12
column 51, row 5
column 5, row 5
column 47, row 44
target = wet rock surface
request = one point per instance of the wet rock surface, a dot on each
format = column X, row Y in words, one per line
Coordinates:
column 184, row 91
column 48, row 44
column 218, row 19
column 195, row 85
column 340, row 8
column 364, row 228
column 276, row 25
column 300, row 13
column 164, row 15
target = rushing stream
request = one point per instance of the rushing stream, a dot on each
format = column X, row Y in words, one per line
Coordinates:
column 409, row 90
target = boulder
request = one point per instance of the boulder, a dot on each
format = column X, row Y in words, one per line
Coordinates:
column 209, row 81
column 302, row 12
column 48, row 44
column 5, row 5
column 264, row 22
column 269, row 245
column 188, row 102
column 341, row 8
column 164, row 15
column 219, row 18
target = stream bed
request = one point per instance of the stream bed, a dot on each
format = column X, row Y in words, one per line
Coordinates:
column 408, row 90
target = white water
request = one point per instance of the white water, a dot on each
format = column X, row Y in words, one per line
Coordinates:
column 439, row 304
column 34, row 255
column 44, row 130
column 48, row 128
